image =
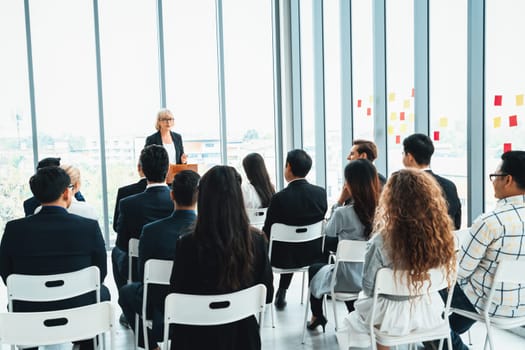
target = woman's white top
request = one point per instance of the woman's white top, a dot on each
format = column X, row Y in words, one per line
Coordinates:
column 171, row 152
column 79, row 208
column 250, row 196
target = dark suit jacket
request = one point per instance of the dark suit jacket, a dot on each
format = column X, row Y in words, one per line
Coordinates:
column 50, row 242
column 156, row 139
column 196, row 273
column 300, row 203
column 451, row 195
column 127, row 191
column 32, row 203
column 140, row 209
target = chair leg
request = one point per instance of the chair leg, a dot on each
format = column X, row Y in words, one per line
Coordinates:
column 335, row 312
column 302, row 288
column 271, row 312
column 469, row 338
column 306, row 315
column 136, row 331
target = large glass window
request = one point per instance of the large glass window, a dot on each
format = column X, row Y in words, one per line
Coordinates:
column 504, row 84
column 248, row 67
column 448, row 92
column 191, row 78
column 16, row 144
column 400, row 77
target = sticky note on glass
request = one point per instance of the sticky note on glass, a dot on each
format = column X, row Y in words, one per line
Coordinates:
column 403, row 128
column 507, row 147
column 497, row 122
column 369, row 111
column 519, row 100
column 406, row 104
column 498, row 99
column 436, row 135
column 398, row 139
column 411, row 117
column 413, row 93
column 390, row 130
column 392, row 96
column 443, row 122
column 401, row 115
column 393, row 116
column 513, row 120
column 359, row 103
column 371, row 99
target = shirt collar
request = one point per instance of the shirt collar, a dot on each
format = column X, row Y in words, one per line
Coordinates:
column 156, row 184
column 519, row 199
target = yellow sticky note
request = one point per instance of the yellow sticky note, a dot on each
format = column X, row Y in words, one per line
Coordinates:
column 371, row 99
column 391, row 97
column 403, row 128
column 411, row 117
column 443, row 122
column 519, row 100
column 406, row 104
column 390, row 130
column 497, row 122
column 393, row 116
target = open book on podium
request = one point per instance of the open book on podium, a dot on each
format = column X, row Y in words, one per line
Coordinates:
column 174, row 169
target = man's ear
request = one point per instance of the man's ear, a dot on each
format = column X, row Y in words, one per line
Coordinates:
column 172, row 196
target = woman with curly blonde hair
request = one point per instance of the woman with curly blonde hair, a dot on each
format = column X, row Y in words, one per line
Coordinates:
column 413, row 232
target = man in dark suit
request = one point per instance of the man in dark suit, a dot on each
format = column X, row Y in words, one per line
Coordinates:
column 127, row 191
column 142, row 208
column 417, row 152
column 300, row 203
column 53, row 241
column 157, row 241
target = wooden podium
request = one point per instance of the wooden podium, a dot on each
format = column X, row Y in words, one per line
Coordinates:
column 174, row 169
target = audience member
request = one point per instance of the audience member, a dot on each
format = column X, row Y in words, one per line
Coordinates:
column 495, row 236
column 300, row 203
column 412, row 232
column 417, row 152
column 158, row 241
column 32, row 203
column 142, row 208
column 350, row 222
column 166, row 138
column 53, row 241
column 223, row 254
column 259, row 190
column 127, row 191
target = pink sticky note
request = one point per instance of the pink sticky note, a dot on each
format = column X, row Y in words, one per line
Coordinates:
column 413, row 93
column 507, row 147
column 436, row 135
column 398, row 139
column 497, row 100
column 401, row 115
column 369, row 111
column 359, row 103
column 513, row 120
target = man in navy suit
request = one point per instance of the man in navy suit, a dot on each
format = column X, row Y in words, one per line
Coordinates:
column 417, row 152
column 127, row 191
column 53, row 241
column 157, row 241
column 300, row 203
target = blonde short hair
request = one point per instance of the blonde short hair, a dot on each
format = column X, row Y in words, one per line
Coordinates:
column 162, row 113
column 74, row 173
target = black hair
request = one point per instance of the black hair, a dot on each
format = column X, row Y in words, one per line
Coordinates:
column 420, row 146
column 185, row 187
column 257, row 174
column 300, row 162
column 154, row 161
column 49, row 183
column 513, row 163
column 49, row 161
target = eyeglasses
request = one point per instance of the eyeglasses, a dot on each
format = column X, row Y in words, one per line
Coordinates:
column 166, row 119
column 493, row 177
column 70, row 186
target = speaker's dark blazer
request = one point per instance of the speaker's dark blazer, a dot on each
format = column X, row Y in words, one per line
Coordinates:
column 127, row 191
column 140, row 209
column 300, row 203
column 156, row 139
column 451, row 195
column 50, row 242
column 196, row 273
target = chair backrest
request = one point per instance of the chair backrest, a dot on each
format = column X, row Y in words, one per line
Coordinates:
column 347, row 251
column 54, row 327
column 295, row 234
column 397, row 284
column 208, row 310
column 133, row 252
column 41, row 288
column 256, row 216
column 156, row 271
column 460, row 236
column 508, row 271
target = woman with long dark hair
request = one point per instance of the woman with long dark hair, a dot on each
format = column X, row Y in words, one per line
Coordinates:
column 258, row 191
column 349, row 222
column 223, row 254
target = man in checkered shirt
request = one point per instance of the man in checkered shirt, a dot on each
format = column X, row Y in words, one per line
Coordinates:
column 496, row 235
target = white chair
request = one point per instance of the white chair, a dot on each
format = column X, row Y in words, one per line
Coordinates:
column 156, row 271
column 133, row 253
column 347, row 251
column 460, row 236
column 508, row 271
column 295, row 234
column 388, row 283
column 256, row 217
column 54, row 327
column 209, row 310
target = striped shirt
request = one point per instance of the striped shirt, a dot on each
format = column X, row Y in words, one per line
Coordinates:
column 494, row 236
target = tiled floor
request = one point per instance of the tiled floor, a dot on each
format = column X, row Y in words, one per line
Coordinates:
column 287, row 333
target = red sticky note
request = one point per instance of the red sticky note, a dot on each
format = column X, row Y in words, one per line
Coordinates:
column 401, row 115
column 507, row 147
column 513, row 120
column 436, row 135
column 369, row 111
column 497, row 100
column 413, row 93
column 398, row 139
column 359, row 103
